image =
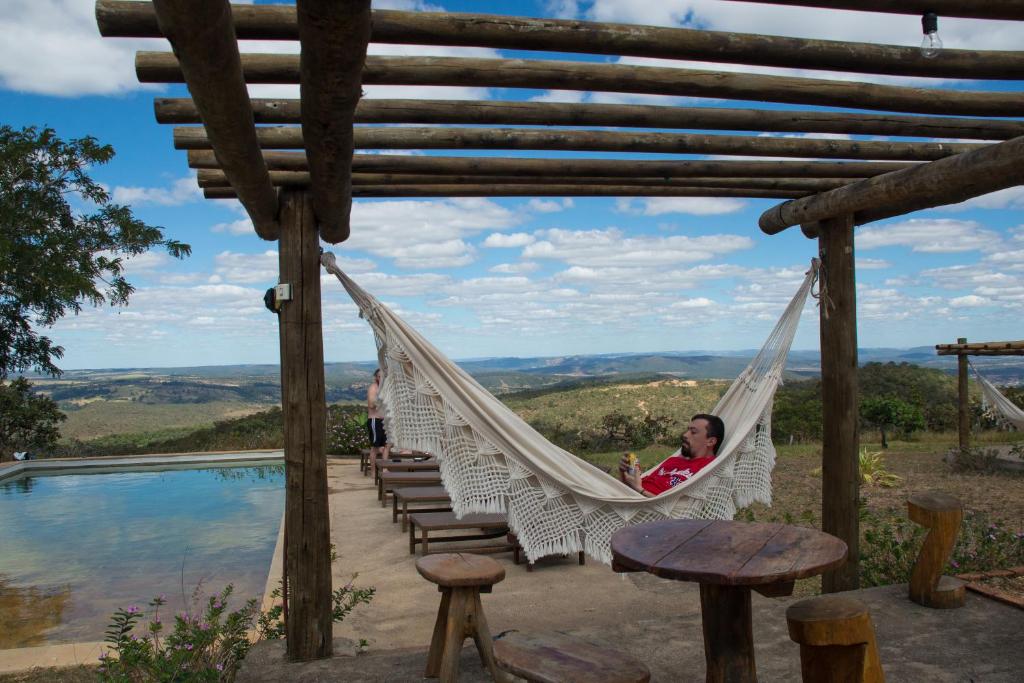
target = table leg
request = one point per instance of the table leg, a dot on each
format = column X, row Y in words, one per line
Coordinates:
column 728, row 634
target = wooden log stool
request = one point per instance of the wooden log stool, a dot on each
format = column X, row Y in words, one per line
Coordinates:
column 553, row 657
column 837, row 640
column 460, row 578
column 941, row 514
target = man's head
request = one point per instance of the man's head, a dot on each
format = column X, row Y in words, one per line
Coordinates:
column 703, row 437
column 376, row 376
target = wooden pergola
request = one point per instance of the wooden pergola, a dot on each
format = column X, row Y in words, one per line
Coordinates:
column 962, row 350
column 291, row 164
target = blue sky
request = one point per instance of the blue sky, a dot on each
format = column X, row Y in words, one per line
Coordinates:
column 522, row 277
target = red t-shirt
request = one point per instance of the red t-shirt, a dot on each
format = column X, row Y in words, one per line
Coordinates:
column 673, row 471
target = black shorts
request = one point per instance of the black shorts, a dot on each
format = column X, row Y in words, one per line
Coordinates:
column 375, row 428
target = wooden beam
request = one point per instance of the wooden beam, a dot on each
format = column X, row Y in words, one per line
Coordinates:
column 946, row 181
column 203, row 38
column 263, row 22
column 963, row 400
column 840, row 435
column 970, row 9
column 539, row 190
column 389, row 137
column 964, row 347
column 183, row 110
column 307, row 516
column 216, row 178
column 442, row 165
column 161, row 67
column 334, row 37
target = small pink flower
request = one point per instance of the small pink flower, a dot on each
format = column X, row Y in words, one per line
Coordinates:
column 133, row 609
column 220, row 667
column 188, row 646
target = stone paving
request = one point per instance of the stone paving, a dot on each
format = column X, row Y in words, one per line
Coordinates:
column 655, row 620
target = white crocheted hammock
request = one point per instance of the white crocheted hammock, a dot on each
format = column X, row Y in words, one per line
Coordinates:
column 491, row 460
column 993, row 399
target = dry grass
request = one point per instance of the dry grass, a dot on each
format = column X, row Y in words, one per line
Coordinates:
column 67, row 674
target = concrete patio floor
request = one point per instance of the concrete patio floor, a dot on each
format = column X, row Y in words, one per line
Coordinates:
column 653, row 619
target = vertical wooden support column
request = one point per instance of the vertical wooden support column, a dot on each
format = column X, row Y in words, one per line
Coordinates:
column 964, row 407
column 307, row 523
column 840, row 439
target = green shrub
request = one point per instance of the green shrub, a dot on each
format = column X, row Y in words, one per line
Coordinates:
column 891, row 543
column 346, row 429
column 873, row 472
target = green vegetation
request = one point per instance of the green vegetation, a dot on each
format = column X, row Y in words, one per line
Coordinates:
column 891, row 543
column 53, row 257
column 894, row 396
column 28, row 421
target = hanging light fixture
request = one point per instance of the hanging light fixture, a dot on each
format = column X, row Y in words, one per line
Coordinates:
column 930, row 43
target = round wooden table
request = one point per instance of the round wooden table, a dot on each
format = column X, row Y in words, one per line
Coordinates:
column 727, row 559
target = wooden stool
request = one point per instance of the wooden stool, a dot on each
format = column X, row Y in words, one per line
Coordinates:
column 837, row 640
column 461, row 579
column 941, row 514
column 556, row 657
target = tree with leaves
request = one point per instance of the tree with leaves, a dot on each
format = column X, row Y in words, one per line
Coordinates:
column 28, row 421
column 892, row 414
column 63, row 243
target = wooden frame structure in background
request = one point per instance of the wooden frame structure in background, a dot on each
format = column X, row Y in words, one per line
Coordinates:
column 962, row 350
column 296, row 196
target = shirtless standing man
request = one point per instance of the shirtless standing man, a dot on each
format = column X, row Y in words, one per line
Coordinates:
column 375, row 423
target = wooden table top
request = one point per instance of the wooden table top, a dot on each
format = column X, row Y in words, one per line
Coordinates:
column 408, row 465
column 725, row 553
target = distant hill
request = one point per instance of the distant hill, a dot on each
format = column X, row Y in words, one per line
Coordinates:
column 260, row 384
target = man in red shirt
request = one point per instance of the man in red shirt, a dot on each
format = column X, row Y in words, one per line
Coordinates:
column 699, row 448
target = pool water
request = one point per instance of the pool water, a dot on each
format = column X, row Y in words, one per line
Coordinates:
column 76, row 547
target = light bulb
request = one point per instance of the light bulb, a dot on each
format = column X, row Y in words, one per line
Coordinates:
column 931, row 43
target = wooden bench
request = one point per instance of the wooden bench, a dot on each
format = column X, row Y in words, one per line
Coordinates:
column 409, row 495
column 460, row 579
column 941, row 514
column 396, row 456
column 490, row 525
column 401, row 463
column 837, row 640
column 364, row 461
column 389, row 481
column 517, row 552
column 552, row 657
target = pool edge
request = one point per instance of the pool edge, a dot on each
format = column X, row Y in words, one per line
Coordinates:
column 9, row 470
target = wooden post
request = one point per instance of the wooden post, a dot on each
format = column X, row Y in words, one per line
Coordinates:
column 964, row 407
column 840, row 439
column 307, row 525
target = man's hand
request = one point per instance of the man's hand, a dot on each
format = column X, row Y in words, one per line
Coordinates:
column 631, row 480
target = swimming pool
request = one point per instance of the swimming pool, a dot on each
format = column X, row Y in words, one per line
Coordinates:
column 75, row 547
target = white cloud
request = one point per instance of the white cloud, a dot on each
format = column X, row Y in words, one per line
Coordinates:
column 969, row 301
column 697, row 206
column 514, row 268
column 514, row 239
column 1009, row 198
column 549, row 205
column 424, row 233
column 243, row 226
column 872, row 264
column 52, row 47
column 181, row 191
column 929, row 235
column 611, row 247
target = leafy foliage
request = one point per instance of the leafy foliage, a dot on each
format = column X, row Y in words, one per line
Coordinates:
column 52, row 257
column 28, row 421
column 873, row 472
column 887, row 413
column 891, row 544
column 914, row 393
column 346, row 429
column 206, row 644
